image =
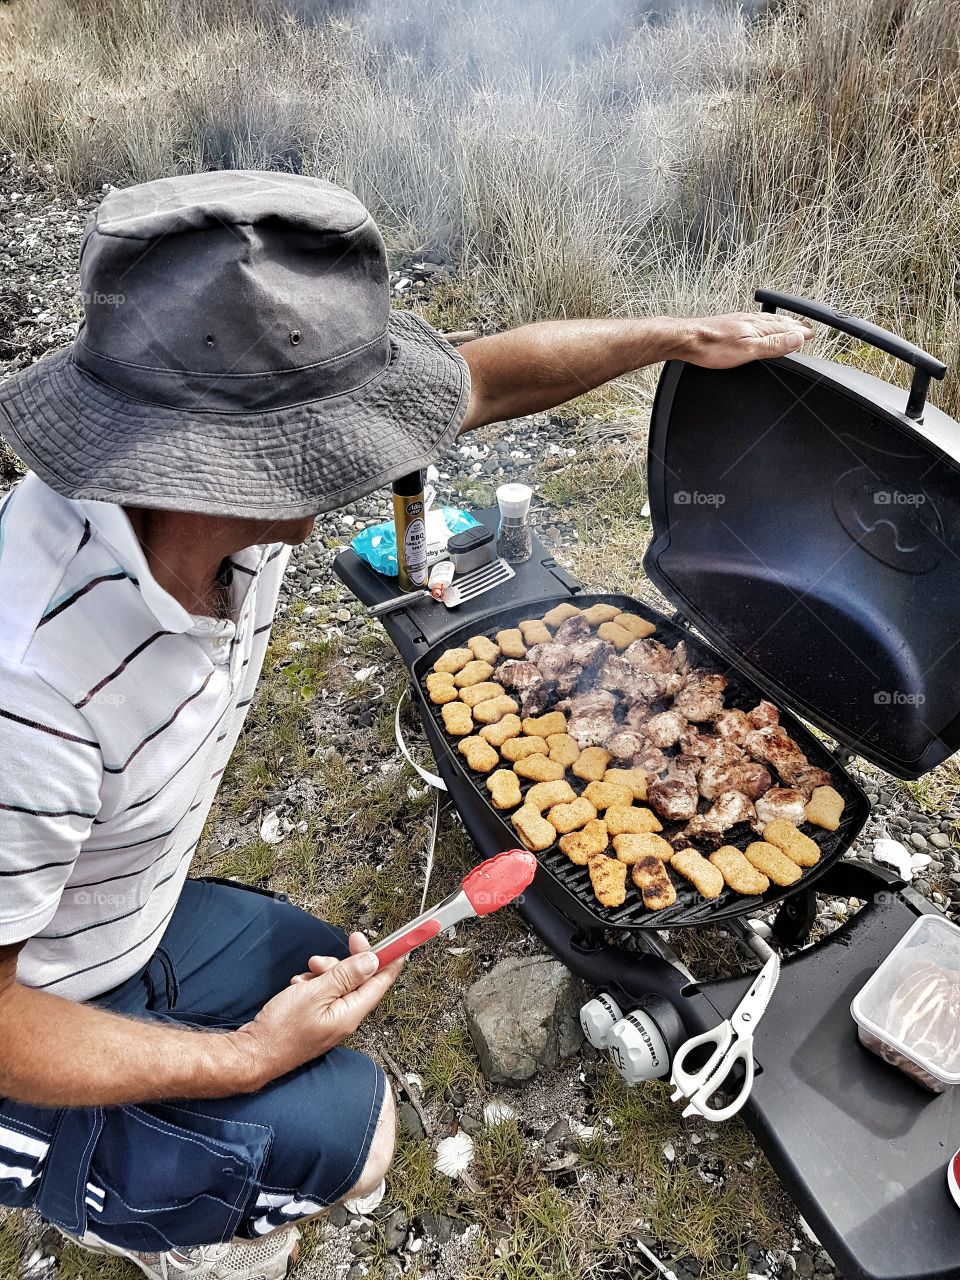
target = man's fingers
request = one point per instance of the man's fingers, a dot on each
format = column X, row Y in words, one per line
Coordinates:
column 356, row 1004
column 358, row 942
column 346, row 975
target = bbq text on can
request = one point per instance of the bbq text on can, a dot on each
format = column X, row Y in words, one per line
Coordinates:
column 409, row 517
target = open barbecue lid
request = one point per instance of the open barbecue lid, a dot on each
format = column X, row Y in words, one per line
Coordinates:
column 806, row 519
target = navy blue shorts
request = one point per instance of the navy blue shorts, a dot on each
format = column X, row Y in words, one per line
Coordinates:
column 160, row 1175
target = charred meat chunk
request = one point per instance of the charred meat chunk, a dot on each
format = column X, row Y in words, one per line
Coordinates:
column 673, row 798
column 733, row 725
column 701, row 697
column 626, row 744
column 763, row 715
column 555, row 662
column 728, row 810
column 650, row 656
column 664, row 729
column 573, row 630
column 746, row 776
column 591, row 721
column 525, row 679
column 638, row 713
column 590, row 655
column 806, row 780
column 774, row 746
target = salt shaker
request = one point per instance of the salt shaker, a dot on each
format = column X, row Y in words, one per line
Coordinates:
column 514, row 539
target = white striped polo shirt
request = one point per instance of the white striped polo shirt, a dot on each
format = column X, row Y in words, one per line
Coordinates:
column 118, row 713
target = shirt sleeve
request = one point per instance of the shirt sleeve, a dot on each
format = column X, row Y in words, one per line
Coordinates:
column 51, row 770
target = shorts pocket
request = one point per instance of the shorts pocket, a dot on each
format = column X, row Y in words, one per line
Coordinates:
column 164, row 1176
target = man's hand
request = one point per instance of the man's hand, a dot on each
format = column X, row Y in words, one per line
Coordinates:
column 723, row 342
column 316, row 1011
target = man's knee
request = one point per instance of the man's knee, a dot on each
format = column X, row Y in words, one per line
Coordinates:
column 382, row 1147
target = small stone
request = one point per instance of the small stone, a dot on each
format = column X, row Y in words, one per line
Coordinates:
column 395, row 1230
column 523, row 1017
column 939, row 840
column 470, row 1124
column 338, row 1216
column 409, row 1122
column 804, row 1264
column 918, row 840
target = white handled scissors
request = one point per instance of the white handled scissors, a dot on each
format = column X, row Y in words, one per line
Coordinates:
column 733, row 1040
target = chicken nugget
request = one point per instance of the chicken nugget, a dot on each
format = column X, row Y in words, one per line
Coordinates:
column 635, row 779
column 538, row 767
column 511, row 643
column 609, row 879
column 632, row 622
column 497, row 734
column 535, row 831
column 742, row 876
column 624, row 819
column 824, row 808
column 603, row 794
column 483, row 649
column 632, row 846
column 544, row 795
column 471, row 694
column 472, row 673
column 571, row 816
column 441, row 689
column 504, row 788
column 493, row 709
column 597, row 614
column 581, row 846
column 516, row 748
column 452, row 660
column 544, row 726
column 480, row 756
column 560, row 613
column 616, row 635
column 652, row 879
column 457, row 718
column 534, row 631
column 563, row 748
column 705, row 878
column 798, row 847
column 592, row 763
column 772, row 862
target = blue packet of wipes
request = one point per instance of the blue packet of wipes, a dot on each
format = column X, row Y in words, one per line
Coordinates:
column 378, row 543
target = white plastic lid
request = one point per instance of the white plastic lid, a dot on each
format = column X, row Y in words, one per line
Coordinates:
column 929, row 951
column 514, row 500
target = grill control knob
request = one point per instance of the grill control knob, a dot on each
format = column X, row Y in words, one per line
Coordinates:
column 598, row 1017
column 638, row 1048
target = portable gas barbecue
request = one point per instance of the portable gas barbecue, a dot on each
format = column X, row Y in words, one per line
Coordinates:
column 806, row 525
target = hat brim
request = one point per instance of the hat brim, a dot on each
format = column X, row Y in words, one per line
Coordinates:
column 87, row 440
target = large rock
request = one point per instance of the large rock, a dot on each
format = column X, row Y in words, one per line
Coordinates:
column 524, row 1017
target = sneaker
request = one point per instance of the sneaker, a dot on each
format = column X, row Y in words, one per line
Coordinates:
column 269, row 1258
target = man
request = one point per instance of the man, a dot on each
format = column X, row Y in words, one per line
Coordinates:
column 166, row 1091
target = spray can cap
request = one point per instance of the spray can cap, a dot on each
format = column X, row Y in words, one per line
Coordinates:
column 514, row 500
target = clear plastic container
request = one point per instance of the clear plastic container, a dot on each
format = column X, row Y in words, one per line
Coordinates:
column 909, row 1011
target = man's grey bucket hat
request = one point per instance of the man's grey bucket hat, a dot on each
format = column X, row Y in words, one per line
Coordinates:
column 238, row 356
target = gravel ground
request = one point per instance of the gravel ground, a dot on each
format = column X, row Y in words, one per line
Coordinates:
column 39, row 243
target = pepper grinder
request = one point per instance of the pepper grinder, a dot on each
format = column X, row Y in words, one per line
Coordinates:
column 514, row 539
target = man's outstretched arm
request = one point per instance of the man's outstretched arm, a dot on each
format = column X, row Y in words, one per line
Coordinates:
column 539, row 366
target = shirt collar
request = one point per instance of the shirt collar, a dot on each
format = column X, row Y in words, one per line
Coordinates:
column 112, row 525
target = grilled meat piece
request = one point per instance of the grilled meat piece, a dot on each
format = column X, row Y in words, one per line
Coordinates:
column 573, row 630
column 590, row 654
column 526, row 679
column 673, row 798
column 664, row 729
column 681, row 660
column 779, row 802
column 684, row 767
column 636, row 686
column 805, row 780
column 701, row 697
column 651, row 760
column 733, row 725
column 710, row 748
column 773, row 745
column 746, row 776
column 555, row 662
column 727, row 810
column 591, row 720
column 763, row 715
column 637, row 715
column 626, row 744
column 650, row 656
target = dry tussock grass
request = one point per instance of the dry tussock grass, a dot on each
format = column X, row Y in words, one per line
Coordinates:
column 580, row 159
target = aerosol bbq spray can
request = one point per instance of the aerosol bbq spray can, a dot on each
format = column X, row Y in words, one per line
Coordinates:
column 409, row 516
